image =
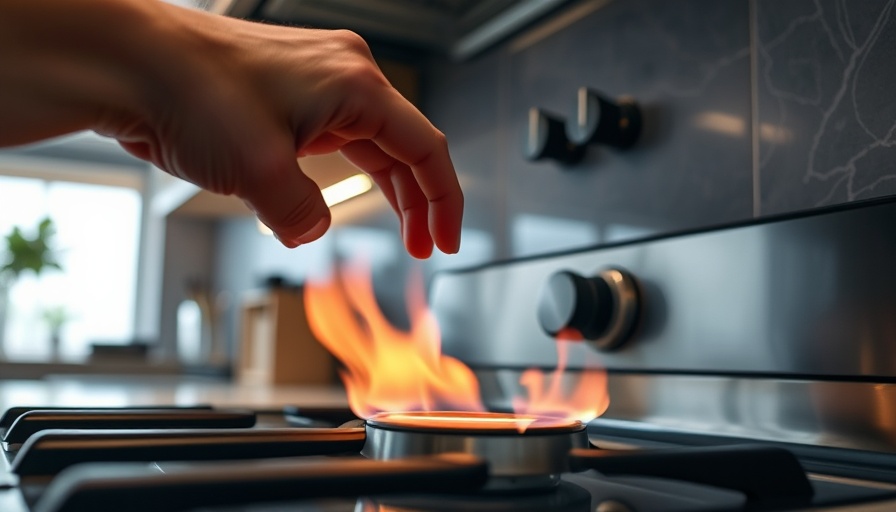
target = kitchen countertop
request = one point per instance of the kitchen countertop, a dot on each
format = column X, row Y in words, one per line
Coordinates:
column 114, row 391
column 29, row 370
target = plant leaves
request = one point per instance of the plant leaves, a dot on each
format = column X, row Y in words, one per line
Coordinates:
column 34, row 254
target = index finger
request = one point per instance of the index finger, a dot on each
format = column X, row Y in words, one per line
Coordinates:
column 402, row 132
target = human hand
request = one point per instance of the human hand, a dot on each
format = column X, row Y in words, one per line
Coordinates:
column 227, row 105
column 260, row 95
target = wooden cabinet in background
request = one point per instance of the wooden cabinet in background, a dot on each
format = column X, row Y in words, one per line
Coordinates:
column 277, row 345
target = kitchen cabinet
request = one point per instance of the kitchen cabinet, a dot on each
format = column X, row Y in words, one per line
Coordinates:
column 277, row 345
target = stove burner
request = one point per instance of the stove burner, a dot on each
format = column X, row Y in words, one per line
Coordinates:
column 525, row 452
column 474, row 422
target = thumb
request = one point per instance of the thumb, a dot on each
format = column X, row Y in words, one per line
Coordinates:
column 287, row 201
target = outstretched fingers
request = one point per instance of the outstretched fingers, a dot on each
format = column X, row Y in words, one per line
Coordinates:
column 401, row 189
column 401, row 132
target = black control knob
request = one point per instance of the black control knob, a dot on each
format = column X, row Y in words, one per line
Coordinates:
column 599, row 120
column 602, row 309
column 546, row 138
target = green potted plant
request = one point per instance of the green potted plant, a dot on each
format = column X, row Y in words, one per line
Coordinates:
column 56, row 317
column 24, row 254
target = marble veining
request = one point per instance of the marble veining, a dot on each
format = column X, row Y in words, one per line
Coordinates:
column 825, row 79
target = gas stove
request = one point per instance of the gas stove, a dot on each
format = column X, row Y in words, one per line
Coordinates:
column 748, row 369
column 201, row 458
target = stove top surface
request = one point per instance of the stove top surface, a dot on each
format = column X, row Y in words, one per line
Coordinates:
column 267, row 473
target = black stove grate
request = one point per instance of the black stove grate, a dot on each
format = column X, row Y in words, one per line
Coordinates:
column 109, row 466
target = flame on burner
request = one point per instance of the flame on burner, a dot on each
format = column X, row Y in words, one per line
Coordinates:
column 588, row 400
column 390, row 370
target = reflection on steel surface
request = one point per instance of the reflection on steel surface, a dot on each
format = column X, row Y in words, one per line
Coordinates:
column 855, row 415
column 807, row 296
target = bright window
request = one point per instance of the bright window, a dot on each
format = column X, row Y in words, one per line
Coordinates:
column 97, row 237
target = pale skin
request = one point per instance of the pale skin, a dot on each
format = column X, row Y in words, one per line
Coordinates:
column 227, row 105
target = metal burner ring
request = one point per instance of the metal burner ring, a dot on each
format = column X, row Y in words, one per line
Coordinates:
column 532, row 460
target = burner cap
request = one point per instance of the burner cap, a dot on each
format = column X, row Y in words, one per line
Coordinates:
column 525, row 452
column 474, row 422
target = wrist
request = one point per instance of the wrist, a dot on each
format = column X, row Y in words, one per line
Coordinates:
column 142, row 64
column 171, row 58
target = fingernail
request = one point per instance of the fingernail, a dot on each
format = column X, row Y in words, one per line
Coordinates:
column 314, row 233
column 456, row 248
column 289, row 244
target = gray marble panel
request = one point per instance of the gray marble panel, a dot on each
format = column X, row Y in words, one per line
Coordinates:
column 827, row 112
column 688, row 63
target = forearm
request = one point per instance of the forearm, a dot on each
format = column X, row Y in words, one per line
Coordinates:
column 67, row 64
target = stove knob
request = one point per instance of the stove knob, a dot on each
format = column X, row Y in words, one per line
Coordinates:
column 601, row 121
column 546, row 138
column 601, row 309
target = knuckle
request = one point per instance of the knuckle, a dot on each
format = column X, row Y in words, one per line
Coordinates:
column 356, row 65
column 360, row 83
column 352, row 42
column 441, row 139
column 364, row 74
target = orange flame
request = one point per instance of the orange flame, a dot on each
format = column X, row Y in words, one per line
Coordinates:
column 387, row 369
column 390, row 370
column 587, row 401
